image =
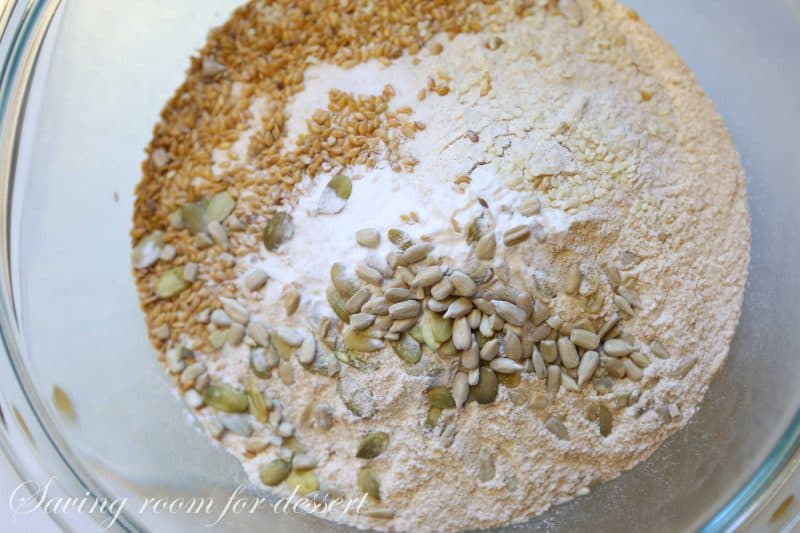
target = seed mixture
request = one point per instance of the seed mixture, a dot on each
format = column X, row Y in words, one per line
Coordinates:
column 391, row 248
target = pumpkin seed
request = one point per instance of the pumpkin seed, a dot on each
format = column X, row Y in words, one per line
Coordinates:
column 220, row 206
column 373, row 445
column 509, row 380
column 538, row 401
column 193, row 216
column 486, row 246
column 400, row 239
column 369, row 484
column 171, row 283
column 407, row 349
column 351, row 358
column 147, row 252
column 274, row 472
column 226, row 398
column 486, row 468
column 257, row 405
column 217, row 339
column 355, row 396
column 557, row 428
column 337, row 304
column 589, row 363
column 516, row 235
column 441, row 397
column 335, row 195
column 278, row 230
column 473, row 231
column 368, row 237
column 433, row 416
column 485, row 391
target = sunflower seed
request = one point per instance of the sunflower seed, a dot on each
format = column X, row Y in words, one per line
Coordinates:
column 510, row 312
column 633, row 372
column 480, row 273
column 401, row 326
column 373, row 445
column 407, row 309
column 631, row 296
column 368, row 237
column 427, row 277
column 226, row 398
column 539, row 365
column 684, row 367
column 369, row 274
column 540, row 333
column 459, row 308
column 568, row 353
column 462, row 335
column 516, row 235
column 614, row 366
column 396, row 294
column 485, row 391
column 486, row 246
column 442, row 290
column 512, row 346
column 557, row 428
column 604, row 420
column 623, row 304
column 235, row 335
column 357, row 300
column 473, row 376
column 609, row 325
column 377, row 305
column 415, row 253
column 274, row 472
column 485, row 327
column 490, row 350
column 569, row 383
column 617, row 348
column 259, row 333
column 470, row 358
column 572, row 282
column 307, row 350
column 286, row 372
column 584, row 338
column 358, row 341
column 657, row 349
column 589, row 363
column 641, row 360
column 553, row 381
column 486, row 468
column 549, row 351
column 235, row 310
column 460, row 389
column 504, row 365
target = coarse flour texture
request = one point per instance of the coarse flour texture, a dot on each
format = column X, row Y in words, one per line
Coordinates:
column 578, row 105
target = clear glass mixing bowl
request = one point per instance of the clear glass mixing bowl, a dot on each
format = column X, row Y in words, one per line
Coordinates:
column 82, row 84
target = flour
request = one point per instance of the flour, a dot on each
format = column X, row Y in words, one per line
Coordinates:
column 604, row 125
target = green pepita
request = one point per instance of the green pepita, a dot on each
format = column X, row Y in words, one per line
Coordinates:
column 432, row 419
column 369, row 483
column 337, row 303
column 361, row 341
column 171, row 283
column 220, row 206
column 351, row 358
column 486, row 390
column 304, row 482
column 226, row 398
column 441, row 397
column 274, row 472
column 194, row 216
column 278, row 230
column 400, row 239
column 407, row 349
column 509, row 380
column 258, row 407
column 373, row 445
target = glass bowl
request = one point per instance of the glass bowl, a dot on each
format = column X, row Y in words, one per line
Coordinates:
column 82, row 85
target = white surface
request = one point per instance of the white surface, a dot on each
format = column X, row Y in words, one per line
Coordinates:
column 37, row 521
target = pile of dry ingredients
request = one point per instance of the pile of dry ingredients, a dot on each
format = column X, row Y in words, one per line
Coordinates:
column 396, row 247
